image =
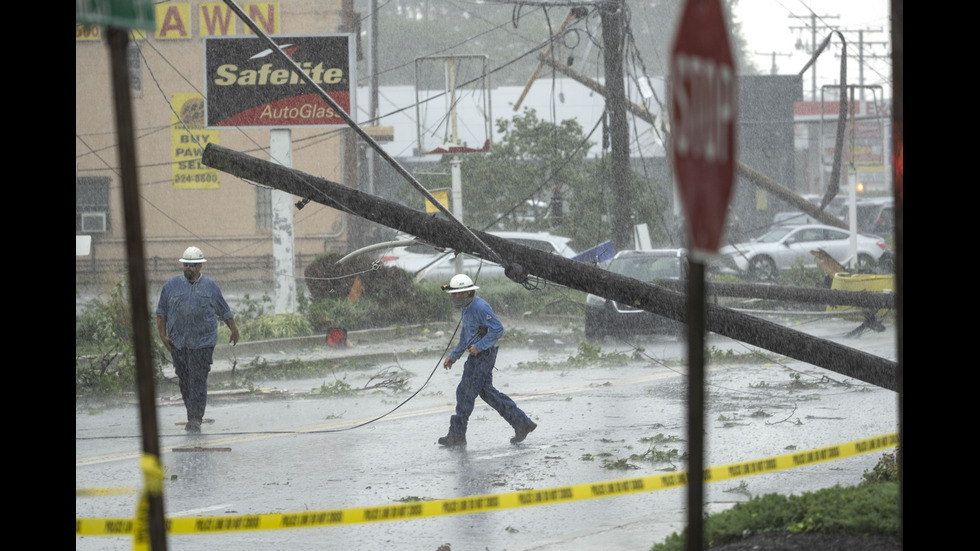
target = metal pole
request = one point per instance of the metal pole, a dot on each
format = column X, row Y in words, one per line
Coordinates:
column 695, row 406
column 451, row 84
column 851, row 186
column 456, row 163
column 457, row 175
column 373, row 64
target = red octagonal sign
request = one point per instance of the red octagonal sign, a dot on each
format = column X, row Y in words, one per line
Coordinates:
column 702, row 120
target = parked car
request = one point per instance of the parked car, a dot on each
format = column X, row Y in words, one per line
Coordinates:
column 608, row 317
column 779, row 249
column 793, row 219
column 875, row 216
column 428, row 262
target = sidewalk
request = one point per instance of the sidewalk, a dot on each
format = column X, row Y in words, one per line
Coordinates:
column 368, row 345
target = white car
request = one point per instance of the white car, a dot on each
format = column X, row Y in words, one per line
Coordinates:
column 779, row 249
column 793, row 219
column 427, row 262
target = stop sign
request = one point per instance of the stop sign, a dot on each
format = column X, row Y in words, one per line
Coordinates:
column 702, row 120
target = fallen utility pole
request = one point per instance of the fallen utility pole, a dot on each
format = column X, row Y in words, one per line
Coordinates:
column 520, row 262
column 826, row 297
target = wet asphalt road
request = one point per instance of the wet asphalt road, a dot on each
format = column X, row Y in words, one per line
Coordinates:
column 289, row 454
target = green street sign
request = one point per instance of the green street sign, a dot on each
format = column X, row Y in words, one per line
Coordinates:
column 133, row 14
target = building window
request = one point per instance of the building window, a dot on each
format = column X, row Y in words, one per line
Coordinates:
column 263, row 207
column 92, row 214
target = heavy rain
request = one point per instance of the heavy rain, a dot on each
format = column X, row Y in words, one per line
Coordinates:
column 268, row 322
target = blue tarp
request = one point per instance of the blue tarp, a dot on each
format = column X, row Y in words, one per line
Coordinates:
column 599, row 255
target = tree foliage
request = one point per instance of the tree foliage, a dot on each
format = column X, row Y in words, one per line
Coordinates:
column 105, row 358
column 359, row 294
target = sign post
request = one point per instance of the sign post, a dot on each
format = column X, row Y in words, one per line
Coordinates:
column 702, row 142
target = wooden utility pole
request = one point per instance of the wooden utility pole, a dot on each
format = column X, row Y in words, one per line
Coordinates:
column 612, row 14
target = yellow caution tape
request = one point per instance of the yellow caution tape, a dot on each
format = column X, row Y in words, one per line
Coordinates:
column 152, row 474
column 141, row 533
column 152, row 487
column 489, row 502
column 109, row 491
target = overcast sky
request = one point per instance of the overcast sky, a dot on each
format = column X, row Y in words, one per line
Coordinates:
column 776, row 26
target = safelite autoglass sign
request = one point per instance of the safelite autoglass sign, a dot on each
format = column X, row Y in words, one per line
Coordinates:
column 247, row 86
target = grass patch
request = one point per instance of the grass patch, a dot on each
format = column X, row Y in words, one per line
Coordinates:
column 870, row 508
column 864, row 509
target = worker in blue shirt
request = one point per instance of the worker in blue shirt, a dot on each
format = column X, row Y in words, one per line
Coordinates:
column 481, row 330
column 187, row 320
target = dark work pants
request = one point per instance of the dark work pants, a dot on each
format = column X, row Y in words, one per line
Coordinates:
column 192, row 367
column 478, row 381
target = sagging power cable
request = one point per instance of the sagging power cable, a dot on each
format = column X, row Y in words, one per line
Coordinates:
column 414, row 394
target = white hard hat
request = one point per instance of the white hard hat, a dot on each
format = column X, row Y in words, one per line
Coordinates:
column 192, row 255
column 459, row 283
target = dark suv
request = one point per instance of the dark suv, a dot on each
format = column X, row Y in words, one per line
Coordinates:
column 875, row 216
column 607, row 317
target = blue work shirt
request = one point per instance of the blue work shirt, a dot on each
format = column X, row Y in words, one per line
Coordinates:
column 478, row 313
column 192, row 311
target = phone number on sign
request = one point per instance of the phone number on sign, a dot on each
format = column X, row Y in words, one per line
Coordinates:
column 205, row 178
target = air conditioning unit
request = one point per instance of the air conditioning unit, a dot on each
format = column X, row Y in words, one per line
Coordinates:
column 93, row 222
